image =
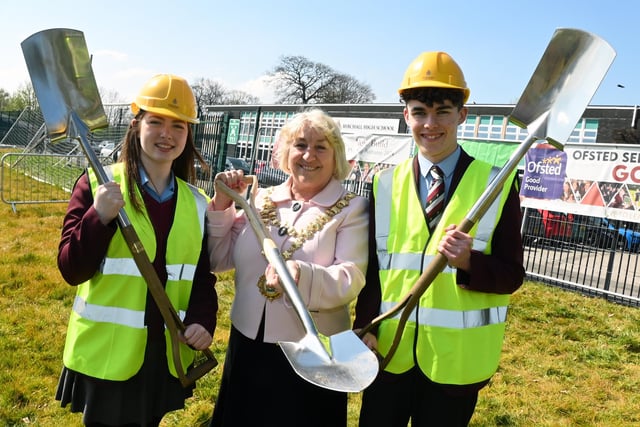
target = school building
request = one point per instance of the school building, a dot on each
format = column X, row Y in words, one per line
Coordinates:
column 487, row 132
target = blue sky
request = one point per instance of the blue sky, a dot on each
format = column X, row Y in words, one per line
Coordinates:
column 497, row 43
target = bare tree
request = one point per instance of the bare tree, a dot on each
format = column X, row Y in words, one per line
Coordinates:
column 208, row 92
column 346, row 90
column 211, row 92
column 298, row 80
column 111, row 96
column 237, row 97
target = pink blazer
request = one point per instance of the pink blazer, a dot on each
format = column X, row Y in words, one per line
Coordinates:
column 332, row 263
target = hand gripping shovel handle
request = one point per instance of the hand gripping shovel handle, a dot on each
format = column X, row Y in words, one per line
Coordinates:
column 270, row 250
column 60, row 69
column 571, row 69
column 439, row 261
column 340, row 362
column 437, row 264
column 172, row 320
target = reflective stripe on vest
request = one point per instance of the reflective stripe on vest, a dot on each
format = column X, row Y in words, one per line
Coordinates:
column 460, row 332
column 452, row 318
column 106, row 337
column 115, row 315
column 128, row 267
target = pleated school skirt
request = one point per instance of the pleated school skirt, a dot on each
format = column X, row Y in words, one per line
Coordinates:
column 141, row 400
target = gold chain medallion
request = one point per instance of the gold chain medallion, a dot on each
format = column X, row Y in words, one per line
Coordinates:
column 270, row 216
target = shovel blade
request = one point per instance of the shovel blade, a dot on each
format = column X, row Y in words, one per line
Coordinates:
column 346, row 366
column 60, row 69
column 566, row 78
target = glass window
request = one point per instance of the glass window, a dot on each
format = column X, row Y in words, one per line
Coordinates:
column 495, row 129
column 511, row 133
column 491, row 128
column 483, row 127
column 468, row 128
column 515, row 133
column 591, row 124
column 586, row 131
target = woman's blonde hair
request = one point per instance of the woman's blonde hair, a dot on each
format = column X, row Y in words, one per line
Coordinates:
column 321, row 122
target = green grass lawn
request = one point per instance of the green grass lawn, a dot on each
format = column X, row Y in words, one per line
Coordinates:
column 568, row 360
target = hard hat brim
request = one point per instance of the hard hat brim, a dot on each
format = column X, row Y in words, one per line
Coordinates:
column 435, row 83
column 135, row 108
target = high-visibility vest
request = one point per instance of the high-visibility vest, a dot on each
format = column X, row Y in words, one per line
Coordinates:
column 106, row 336
column 454, row 335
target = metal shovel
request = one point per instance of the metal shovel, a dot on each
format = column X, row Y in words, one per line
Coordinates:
column 340, row 362
column 60, row 69
column 566, row 78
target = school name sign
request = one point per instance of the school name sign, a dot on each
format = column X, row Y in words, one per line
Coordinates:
column 588, row 179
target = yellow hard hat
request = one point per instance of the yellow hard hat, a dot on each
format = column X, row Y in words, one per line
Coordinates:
column 434, row 69
column 168, row 95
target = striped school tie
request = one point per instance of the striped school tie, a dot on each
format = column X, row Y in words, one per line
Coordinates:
column 435, row 198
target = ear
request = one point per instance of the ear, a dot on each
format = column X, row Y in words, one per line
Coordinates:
column 463, row 115
column 405, row 113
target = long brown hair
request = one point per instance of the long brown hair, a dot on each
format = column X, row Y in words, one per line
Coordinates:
column 183, row 167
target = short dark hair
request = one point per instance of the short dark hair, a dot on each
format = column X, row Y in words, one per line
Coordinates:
column 429, row 95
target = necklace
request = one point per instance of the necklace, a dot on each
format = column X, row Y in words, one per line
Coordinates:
column 270, row 216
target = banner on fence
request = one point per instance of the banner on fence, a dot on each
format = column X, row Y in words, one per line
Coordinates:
column 378, row 148
column 587, row 179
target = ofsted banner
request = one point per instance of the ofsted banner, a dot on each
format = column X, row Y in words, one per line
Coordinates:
column 587, row 179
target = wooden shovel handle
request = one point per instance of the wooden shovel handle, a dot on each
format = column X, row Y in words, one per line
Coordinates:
column 170, row 316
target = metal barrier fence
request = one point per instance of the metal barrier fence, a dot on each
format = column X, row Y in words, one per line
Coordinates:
column 28, row 178
column 50, row 178
column 29, row 134
column 594, row 256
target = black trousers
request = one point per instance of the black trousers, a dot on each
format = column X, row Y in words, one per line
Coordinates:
column 391, row 400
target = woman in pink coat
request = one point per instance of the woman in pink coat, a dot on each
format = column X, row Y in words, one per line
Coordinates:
column 321, row 230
